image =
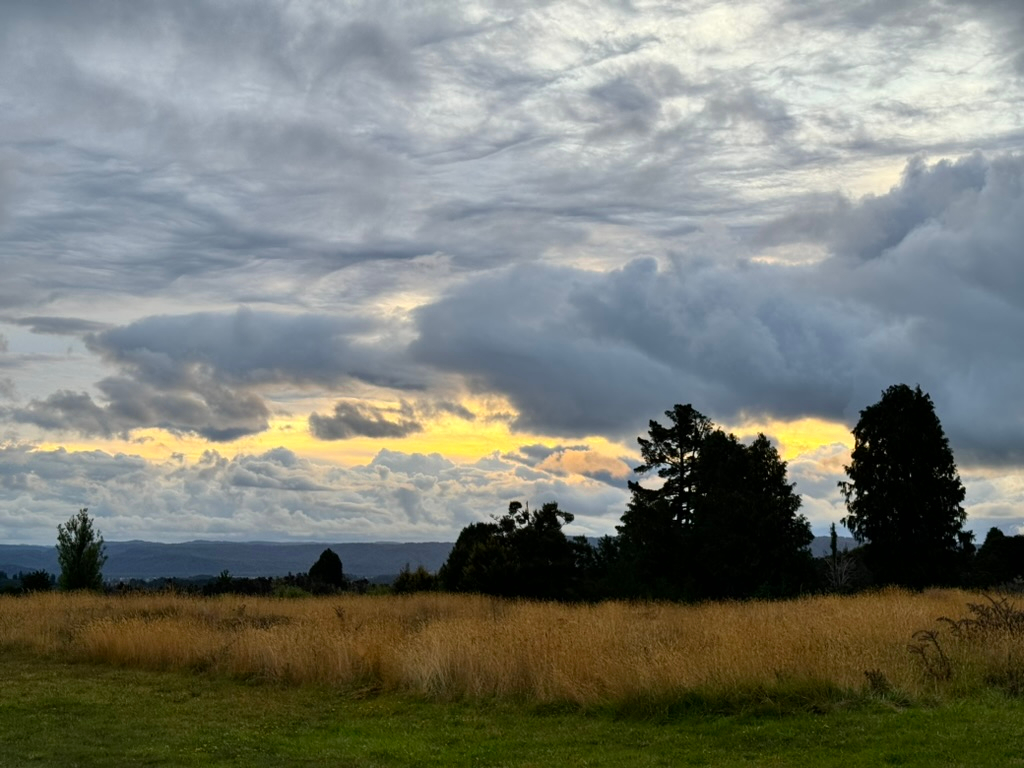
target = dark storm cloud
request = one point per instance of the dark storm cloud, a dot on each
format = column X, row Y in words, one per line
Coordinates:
column 250, row 347
column 201, row 373
column 357, row 420
column 925, row 286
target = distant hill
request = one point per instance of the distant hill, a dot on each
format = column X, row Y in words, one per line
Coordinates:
column 148, row 560
column 822, row 545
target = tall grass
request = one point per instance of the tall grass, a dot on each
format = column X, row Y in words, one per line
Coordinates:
column 462, row 646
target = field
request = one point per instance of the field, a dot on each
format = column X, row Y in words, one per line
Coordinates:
column 442, row 679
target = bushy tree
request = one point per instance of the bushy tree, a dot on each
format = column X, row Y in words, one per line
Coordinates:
column 904, row 495
column 81, row 553
column 409, row 581
column 1000, row 559
column 723, row 523
column 327, row 571
column 36, row 581
column 521, row 554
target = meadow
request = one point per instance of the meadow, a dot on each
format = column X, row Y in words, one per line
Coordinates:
column 446, row 647
column 434, row 679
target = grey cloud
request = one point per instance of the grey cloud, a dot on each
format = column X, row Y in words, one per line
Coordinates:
column 534, row 454
column 59, row 326
column 748, row 105
column 631, row 101
column 213, row 412
column 924, row 287
column 201, row 373
column 429, row 408
column 357, row 420
column 250, row 347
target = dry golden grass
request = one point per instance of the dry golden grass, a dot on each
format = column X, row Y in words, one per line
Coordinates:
column 452, row 646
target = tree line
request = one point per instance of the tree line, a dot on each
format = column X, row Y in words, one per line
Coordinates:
column 721, row 521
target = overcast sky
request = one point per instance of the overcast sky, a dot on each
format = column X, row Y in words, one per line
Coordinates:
column 351, row 271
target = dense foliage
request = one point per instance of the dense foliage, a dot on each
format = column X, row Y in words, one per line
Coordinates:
column 724, row 523
column 903, row 495
column 80, row 552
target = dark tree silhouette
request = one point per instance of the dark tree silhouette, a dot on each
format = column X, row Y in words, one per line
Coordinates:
column 36, row 581
column 81, row 553
column 521, row 554
column 1000, row 559
column 903, row 495
column 723, row 523
column 327, row 571
column 654, row 550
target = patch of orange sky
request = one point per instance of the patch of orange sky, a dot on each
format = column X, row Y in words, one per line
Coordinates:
column 459, row 440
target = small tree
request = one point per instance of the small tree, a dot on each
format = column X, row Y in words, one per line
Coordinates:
column 327, row 571
column 904, row 493
column 81, row 553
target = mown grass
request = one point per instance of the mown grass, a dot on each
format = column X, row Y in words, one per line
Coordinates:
column 54, row 713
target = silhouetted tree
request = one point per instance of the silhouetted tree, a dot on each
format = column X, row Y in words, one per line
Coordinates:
column 36, row 581
column 903, row 495
column 655, row 551
column 80, row 552
column 1000, row 559
column 327, row 571
column 521, row 554
column 724, row 522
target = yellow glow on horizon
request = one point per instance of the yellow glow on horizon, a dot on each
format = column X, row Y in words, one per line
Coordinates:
column 799, row 437
column 459, row 440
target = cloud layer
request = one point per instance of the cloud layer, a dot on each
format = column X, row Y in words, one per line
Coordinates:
column 377, row 220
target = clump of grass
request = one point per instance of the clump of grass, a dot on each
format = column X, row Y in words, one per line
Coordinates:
column 804, row 653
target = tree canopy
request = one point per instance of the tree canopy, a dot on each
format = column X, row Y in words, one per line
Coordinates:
column 903, row 496
column 723, row 523
column 524, row 553
column 81, row 553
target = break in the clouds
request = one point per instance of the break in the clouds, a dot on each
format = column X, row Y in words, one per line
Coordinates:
column 382, row 222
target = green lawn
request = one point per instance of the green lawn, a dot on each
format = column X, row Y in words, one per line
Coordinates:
column 56, row 714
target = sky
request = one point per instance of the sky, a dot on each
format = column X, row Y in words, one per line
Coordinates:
column 362, row 271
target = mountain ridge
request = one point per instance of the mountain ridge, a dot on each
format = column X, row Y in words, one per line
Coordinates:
column 138, row 559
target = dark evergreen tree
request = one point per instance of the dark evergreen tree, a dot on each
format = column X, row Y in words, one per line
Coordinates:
column 654, row 554
column 80, row 552
column 904, row 494
column 724, row 522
